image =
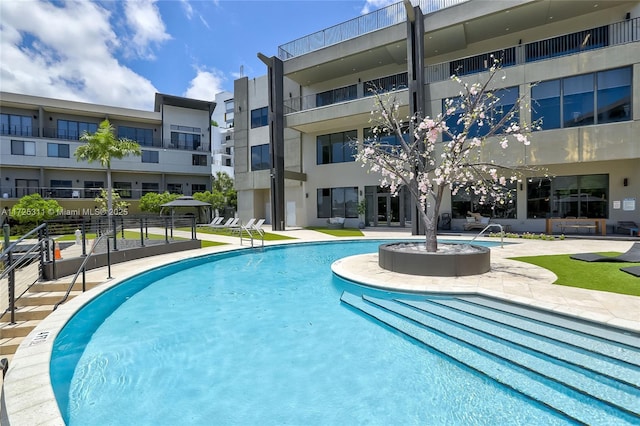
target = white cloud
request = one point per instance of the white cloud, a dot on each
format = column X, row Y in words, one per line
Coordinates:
column 146, row 23
column 372, row 5
column 68, row 51
column 205, row 85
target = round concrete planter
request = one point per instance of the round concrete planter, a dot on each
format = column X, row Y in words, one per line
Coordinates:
column 397, row 258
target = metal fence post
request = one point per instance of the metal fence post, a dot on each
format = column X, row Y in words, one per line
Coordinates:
column 108, row 259
column 141, row 232
column 11, row 279
column 115, row 236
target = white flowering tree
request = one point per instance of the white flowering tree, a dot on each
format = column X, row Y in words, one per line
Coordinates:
column 426, row 168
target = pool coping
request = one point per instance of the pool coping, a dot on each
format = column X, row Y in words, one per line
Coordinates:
column 28, row 397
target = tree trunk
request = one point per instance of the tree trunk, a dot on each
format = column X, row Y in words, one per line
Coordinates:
column 109, row 197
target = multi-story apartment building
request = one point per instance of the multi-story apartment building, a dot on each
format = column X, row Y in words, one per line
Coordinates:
column 222, row 133
column 578, row 61
column 38, row 138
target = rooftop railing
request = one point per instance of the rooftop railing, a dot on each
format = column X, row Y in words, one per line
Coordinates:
column 382, row 18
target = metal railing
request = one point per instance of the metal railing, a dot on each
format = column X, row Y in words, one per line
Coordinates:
column 618, row 33
column 17, row 277
column 83, row 268
column 377, row 20
column 491, row 225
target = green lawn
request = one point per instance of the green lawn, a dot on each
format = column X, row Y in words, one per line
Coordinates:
column 345, row 232
column 268, row 236
column 603, row 276
column 132, row 235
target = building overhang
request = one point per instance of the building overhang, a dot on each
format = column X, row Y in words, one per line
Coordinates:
column 446, row 31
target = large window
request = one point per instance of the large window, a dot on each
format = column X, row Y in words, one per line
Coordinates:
column 260, row 159
column 12, row 124
column 467, row 201
column 60, row 188
column 546, row 104
column 386, row 84
column 387, row 141
column 198, row 187
column 614, row 95
column 596, row 98
column 199, row 160
column 174, row 188
column 568, row 196
column 259, row 117
column 26, row 187
column 333, row 96
column 144, row 137
column 506, row 100
column 60, row 150
column 577, row 100
column 23, row 148
column 148, row 187
column 92, row 188
column 150, row 156
column 188, row 141
column 338, row 202
column 336, row 147
column 72, row 130
column 123, row 189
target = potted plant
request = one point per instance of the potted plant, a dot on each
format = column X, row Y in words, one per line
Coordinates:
column 362, row 211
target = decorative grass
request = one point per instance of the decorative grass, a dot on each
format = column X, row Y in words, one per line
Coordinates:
column 344, row 232
column 604, row 276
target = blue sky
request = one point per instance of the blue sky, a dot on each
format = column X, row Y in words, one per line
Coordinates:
column 122, row 52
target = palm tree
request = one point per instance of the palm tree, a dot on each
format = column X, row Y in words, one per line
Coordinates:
column 102, row 146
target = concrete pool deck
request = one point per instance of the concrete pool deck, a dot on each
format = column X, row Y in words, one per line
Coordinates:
column 28, row 397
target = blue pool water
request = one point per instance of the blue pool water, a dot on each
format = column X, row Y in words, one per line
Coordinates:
column 260, row 337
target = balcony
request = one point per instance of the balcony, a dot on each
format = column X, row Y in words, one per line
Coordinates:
column 59, row 134
column 618, row 33
column 382, row 18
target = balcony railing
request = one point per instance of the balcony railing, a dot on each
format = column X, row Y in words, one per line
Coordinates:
column 618, row 33
column 54, row 133
column 382, row 18
column 77, row 192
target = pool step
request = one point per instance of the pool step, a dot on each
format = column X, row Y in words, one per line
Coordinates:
column 609, row 359
column 522, row 369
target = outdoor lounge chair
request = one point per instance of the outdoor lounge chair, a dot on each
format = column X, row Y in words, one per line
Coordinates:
column 476, row 221
column 627, row 227
column 631, row 255
column 238, row 228
column 216, row 221
column 224, row 225
column 633, row 270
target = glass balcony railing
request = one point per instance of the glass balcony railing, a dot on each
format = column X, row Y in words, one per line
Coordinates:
column 382, row 18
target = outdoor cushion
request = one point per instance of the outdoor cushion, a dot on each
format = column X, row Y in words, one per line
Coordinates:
column 631, row 255
column 633, row 270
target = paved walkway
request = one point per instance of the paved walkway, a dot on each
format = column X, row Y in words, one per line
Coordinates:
column 29, row 399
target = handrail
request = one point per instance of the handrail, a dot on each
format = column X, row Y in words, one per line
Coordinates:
column 15, row 243
column 21, row 261
column 489, row 226
column 248, row 230
column 84, row 263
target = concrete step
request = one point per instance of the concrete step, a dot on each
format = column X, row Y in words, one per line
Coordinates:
column 19, row 329
column 44, row 298
column 26, row 313
column 61, row 286
column 9, row 345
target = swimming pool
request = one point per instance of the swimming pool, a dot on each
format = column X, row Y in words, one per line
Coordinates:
column 261, row 337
